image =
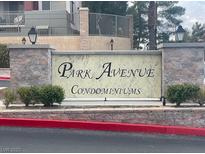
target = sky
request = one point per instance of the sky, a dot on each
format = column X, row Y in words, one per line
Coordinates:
column 195, row 11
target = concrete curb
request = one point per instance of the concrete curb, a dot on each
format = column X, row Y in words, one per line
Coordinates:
column 102, row 126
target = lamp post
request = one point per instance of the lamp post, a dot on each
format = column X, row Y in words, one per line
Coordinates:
column 32, row 34
column 180, row 34
column 111, row 44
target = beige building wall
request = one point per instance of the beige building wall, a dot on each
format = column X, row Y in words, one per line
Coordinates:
column 103, row 43
column 65, row 43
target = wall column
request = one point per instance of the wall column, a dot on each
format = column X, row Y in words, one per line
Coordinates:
column 182, row 63
column 30, row 65
column 84, row 29
column 131, row 30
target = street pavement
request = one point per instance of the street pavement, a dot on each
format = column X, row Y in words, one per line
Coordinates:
column 16, row 139
column 4, row 83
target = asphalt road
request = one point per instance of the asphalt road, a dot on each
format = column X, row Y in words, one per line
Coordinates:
column 62, row 140
column 4, row 83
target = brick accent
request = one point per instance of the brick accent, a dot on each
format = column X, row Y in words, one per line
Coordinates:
column 28, row 5
column 84, row 29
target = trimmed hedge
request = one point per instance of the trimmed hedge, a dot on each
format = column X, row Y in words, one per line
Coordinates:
column 35, row 94
column 46, row 94
column 25, row 95
column 182, row 92
column 51, row 94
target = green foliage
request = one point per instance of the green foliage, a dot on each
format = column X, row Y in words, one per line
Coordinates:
column 169, row 11
column 201, row 97
column 198, row 32
column 4, row 56
column 140, row 27
column 35, row 94
column 46, row 94
column 168, row 18
column 182, row 92
column 108, row 7
column 9, row 97
column 51, row 94
column 25, row 95
column 168, row 14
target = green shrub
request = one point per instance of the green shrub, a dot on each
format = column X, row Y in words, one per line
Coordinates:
column 9, row 96
column 25, row 95
column 201, row 97
column 51, row 94
column 182, row 92
column 4, row 56
column 35, row 94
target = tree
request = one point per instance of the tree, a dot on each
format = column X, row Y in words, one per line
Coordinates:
column 108, row 7
column 167, row 20
column 187, row 36
column 140, row 27
column 198, row 32
column 152, row 25
column 168, row 13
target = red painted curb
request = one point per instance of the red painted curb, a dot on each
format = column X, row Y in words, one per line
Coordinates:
column 103, row 126
column 5, row 78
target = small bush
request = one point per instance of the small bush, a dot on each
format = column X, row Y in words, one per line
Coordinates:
column 51, row 94
column 35, row 94
column 25, row 95
column 201, row 97
column 182, row 92
column 9, row 97
column 4, row 56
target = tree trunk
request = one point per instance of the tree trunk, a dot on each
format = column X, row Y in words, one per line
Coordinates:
column 152, row 25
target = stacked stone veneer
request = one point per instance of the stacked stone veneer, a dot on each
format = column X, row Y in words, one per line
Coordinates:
column 30, row 65
column 182, row 63
column 174, row 117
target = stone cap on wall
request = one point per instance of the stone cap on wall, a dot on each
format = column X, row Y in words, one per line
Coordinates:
column 108, row 52
column 182, row 45
column 30, row 46
column 83, row 9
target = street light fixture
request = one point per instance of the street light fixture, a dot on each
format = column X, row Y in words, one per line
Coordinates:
column 23, row 40
column 32, row 34
column 111, row 44
column 180, row 33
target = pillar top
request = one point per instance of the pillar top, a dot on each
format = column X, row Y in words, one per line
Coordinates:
column 29, row 46
column 182, row 45
column 84, row 9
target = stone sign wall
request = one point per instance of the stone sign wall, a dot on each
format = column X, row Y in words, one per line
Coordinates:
column 108, row 74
